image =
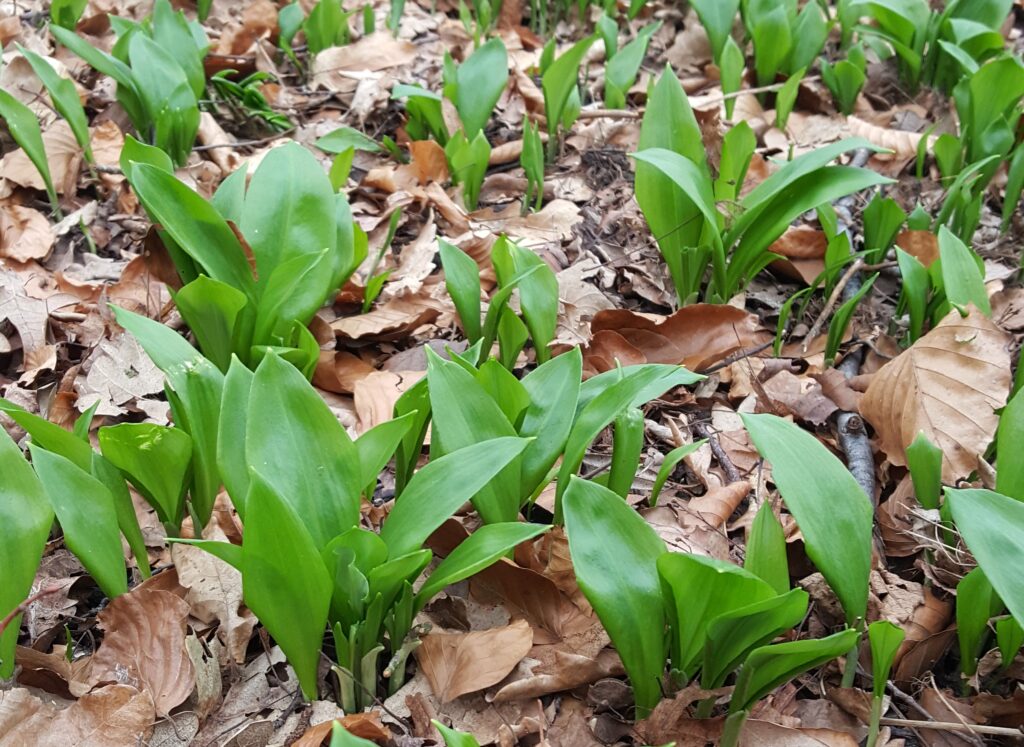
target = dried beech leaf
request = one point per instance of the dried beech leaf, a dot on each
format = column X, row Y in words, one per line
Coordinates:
column 112, row 716
column 801, row 243
column 923, row 245
column 903, row 144
column 25, row 234
column 948, row 384
column 144, row 646
column 460, row 663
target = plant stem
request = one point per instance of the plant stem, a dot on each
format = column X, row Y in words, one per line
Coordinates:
column 876, row 715
column 733, row 727
column 705, row 708
column 850, row 667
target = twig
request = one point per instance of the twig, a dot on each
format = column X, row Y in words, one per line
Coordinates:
column 853, row 438
column 244, row 143
column 734, row 357
column 731, row 473
column 833, row 299
column 999, row 731
column 21, row 608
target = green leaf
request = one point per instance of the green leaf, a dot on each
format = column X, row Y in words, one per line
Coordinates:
column 638, row 385
column 465, row 414
column 194, row 225
column 1010, row 472
column 285, row 207
column 65, row 13
column 785, row 99
column 554, row 389
column 64, row 96
column 479, row 82
column 452, row 738
column 732, row 65
column 841, row 320
column 231, row 427
column 213, row 311
column 924, row 459
column 124, row 507
column 538, row 290
column 628, row 444
column 482, row 548
column 424, row 110
column 992, row 526
column 343, row 138
column 295, row 290
column 809, row 35
column 156, row 459
column 323, row 27
column 773, row 40
column 377, row 446
column 342, row 737
column 135, row 152
column 673, row 458
column 310, row 461
column 732, row 635
column 962, row 278
column 436, row 491
column 284, row 581
column 504, row 388
column 737, row 151
column 697, row 589
column 766, row 550
column 717, row 17
column 462, row 280
column 770, row 666
column 915, row 290
column 834, row 515
column 85, row 510
column 26, row 517
column 50, row 435
column 468, row 160
column 558, row 82
column 166, row 94
column 622, row 586
column 172, row 32
column 976, row 603
column 24, row 128
column 885, row 639
column 883, row 218
column 1009, row 637
column 621, row 70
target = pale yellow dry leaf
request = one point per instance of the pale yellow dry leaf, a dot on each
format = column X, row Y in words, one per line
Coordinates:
column 144, row 647
column 461, row 663
column 63, row 155
column 903, row 144
column 25, row 234
column 112, row 716
column 948, row 384
column 415, row 264
column 341, row 68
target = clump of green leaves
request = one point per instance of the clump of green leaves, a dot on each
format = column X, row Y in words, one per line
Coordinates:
column 679, row 196
column 158, row 66
column 244, row 100
column 845, row 78
column 560, row 84
column 532, row 161
column 327, row 26
column 785, row 39
column 64, row 97
column 65, row 13
column 622, row 66
column 299, row 231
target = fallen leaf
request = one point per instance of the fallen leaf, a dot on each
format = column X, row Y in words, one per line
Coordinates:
column 390, row 321
column 119, row 374
column 903, row 144
column 340, row 371
column 340, row 68
column 376, row 393
column 801, row 396
column 429, row 161
column 415, row 264
column 714, row 508
column 920, row 244
column 113, row 716
column 461, row 663
column 758, row 733
column 948, row 384
column 696, row 336
column 25, row 234
column 63, row 155
column 800, row 242
column 143, row 646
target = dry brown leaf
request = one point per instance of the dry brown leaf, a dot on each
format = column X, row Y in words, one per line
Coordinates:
column 801, row 242
column 215, row 593
column 144, row 646
column 929, row 635
column 461, row 663
column 63, row 155
column 758, row 733
column 903, row 144
column 390, row 321
column 429, row 161
column 25, row 234
column 376, row 393
column 112, row 716
column 362, row 725
column 695, row 336
column 896, row 522
column 948, row 384
column 713, row 509
column 946, row 707
column 341, row 68
column 339, row 371
column 415, row 264
column 801, row 396
column 920, row 244
column 120, row 374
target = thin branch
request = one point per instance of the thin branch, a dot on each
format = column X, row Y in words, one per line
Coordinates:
column 833, row 299
column 998, row 731
column 731, row 473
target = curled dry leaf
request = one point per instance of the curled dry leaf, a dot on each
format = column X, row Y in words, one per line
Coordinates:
column 903, row 144
column 948, row 384
column 112, row 716
column 801, row 396
column 896, row 522
column 391, row 321
column 144, row 647
column 429, row 161
column 25, row 234
column 714, row 508
column 800, row 242
column 695, row 336
column 362, row 725
column 461, row 663
column 340, row 68
column 339, row 371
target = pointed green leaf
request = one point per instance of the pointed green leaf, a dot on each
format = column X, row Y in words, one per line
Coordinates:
column 885, row 639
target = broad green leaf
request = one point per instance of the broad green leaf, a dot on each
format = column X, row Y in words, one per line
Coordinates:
column 436, row 491
column 124, row 507
column 323, row 27
column 415, row 399
column 766, row 550
column 558, row 81
column 388, row 579
column 295, row 290
column 885, row 639
column 834, row 515
column 883, row 218
column 1010, row 472
column 287, row 209
column 482, row 548
column 696, row 590
column 24, row 128
column 452, row 738
column 976, row 603
column 685, row 174
column 512, row 338
column 770, row 666
column 309, row 461
column 915, row 290
column 924, row 459
column 135, row 152
column 26, row 517
column 673, row 458
column 773, row 40
column 231, row 427
column 342, row 737
column 622, row 586
column 468, row 160
column 732, row 66
column 377, row 446
column 733, row 634
column 992, row 526
column 50, row 435
column 963, row 280
column 343, row 138
column 809, row 35
column 156, row 459
column 462, row 280
column 638, row 385
column 785, row 99
column 1010, row 638
column 465, row 414
column 717, row 18
column 284, row 581
column 627, row 445
column 65, row 13
column 504, row 388
column 85, row 510
column 194, row 225
column 230, row 195
column 841, row 320
column 171, row 31
column 554, row 389
column 737, row 151
column 1014, row 186
column 64, row 96
column 622, row 69
column 167, row 96
column 480, row 81
column 212, row 310
column 538, row 291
